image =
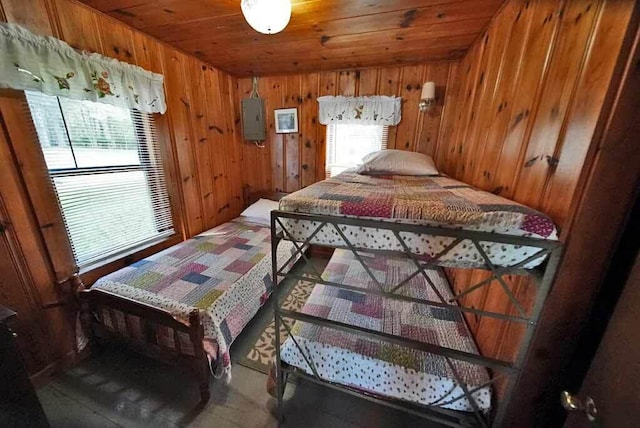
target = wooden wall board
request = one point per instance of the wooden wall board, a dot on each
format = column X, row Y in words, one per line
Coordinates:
column 328, row 85
column 291, row 142
column 530, row 84
column 178, row 109
column 35, row 15
column 231, row 147
column 309, row 128
column 79, row 26
column 576, row 28
column 275, row 88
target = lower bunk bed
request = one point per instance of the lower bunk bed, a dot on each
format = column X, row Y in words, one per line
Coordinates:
column 378, row 368
column 186, row 305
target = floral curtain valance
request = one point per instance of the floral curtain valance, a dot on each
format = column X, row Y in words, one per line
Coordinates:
column 49, row 65
column 377, row 110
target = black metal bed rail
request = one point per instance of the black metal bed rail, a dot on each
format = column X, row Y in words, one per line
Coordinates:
column 420, row 229
column 509, row 370
column 457, row 308
column 468, row 357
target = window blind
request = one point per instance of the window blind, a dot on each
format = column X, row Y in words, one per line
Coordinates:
column 106, row 167
column 348, row 144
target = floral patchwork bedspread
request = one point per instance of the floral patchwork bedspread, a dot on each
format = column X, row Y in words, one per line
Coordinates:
column 224, row 272
column 377, row 366
column 426, row 200
column 438, row 199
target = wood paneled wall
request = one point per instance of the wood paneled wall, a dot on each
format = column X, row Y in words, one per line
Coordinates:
column 525, row 126
column 201, row 155
column 289, row 162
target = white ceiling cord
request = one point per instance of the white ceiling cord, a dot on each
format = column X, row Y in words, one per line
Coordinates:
column 254, row 90
column 255, row 94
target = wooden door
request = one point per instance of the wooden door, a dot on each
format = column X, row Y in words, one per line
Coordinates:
column 613, row 379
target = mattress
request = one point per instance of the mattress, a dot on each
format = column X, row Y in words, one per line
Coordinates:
column 430, row 200
column 224, row 272
column 378, row 367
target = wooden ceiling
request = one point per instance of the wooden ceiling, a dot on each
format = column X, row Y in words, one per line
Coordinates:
column 322, row 34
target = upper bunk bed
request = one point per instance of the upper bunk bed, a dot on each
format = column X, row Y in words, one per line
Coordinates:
column 442, row 204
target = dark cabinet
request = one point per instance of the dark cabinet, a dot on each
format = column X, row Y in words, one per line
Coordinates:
column 19, row 404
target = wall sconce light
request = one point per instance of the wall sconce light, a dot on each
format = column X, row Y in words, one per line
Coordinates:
column 428, row 97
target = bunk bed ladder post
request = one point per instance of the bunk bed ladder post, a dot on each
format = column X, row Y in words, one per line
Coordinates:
column 543, row 291
column 275, row 240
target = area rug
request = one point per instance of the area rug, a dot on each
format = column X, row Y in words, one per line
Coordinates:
column 263, row 352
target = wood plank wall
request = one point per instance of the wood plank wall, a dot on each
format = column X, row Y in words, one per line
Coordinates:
column 527, row 115
column 202, row 162
column 289, row 162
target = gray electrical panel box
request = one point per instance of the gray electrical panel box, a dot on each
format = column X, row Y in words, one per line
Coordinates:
column 253, row 120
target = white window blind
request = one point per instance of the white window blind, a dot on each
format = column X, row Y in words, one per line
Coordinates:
column 348, row 144
column 106, row 168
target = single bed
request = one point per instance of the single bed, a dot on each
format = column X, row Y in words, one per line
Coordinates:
column 374, row 366
column 188, row 303
column 437, row 201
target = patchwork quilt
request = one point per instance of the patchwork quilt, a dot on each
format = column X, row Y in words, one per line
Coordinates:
column 425, row 200
column 376, row 366
column 225, row 273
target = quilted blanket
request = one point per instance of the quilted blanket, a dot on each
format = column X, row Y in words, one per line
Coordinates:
column 377, row 366
column 225, row 273
column 434, row 199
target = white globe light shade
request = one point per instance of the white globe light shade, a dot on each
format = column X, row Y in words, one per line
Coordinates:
column 267, row 16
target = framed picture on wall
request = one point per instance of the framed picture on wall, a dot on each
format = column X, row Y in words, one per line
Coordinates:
column 286, row 120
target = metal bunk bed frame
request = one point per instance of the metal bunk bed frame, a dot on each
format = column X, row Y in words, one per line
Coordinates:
column 510, row 370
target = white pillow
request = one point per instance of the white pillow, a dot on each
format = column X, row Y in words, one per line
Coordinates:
column 397, row 162
column 260, row 212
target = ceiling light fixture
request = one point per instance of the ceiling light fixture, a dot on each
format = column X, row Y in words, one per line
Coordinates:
column 267, row 16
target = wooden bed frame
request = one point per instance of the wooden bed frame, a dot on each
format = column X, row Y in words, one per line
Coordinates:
column 94, row 304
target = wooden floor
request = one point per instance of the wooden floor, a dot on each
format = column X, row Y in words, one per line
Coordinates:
column 120, row 389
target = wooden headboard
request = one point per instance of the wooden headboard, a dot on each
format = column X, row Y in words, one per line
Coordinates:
column 249, row 196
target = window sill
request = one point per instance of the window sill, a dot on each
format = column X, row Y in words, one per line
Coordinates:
column 92, row 273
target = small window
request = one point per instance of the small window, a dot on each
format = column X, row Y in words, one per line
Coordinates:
column 348, row 144
column 106, row 168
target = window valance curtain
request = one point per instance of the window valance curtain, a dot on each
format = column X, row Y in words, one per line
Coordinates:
column 376, row 110
column 50, row 66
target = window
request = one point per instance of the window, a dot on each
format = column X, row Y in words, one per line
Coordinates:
column 106, row 168
column 348, row 144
